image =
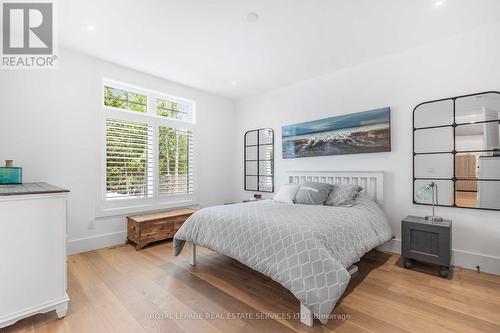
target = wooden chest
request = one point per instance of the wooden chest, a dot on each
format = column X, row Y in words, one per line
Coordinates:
column 151, row 227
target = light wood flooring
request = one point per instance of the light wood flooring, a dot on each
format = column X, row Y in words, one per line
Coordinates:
column 123, row 290
column 466, row 199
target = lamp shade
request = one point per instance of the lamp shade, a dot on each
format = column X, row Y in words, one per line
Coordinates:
column 425, row 192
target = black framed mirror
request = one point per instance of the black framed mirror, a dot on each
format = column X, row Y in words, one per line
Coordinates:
column 456, row 145
column 259, row 160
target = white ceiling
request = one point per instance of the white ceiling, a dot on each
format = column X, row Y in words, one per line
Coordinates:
column 208, row 44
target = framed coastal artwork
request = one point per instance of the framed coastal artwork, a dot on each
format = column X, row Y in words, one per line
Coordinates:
column 356, row 133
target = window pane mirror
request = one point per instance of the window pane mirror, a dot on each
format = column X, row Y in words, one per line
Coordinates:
column 456, row 144
column 259, row 160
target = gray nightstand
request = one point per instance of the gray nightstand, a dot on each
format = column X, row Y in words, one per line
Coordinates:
column 426, row 241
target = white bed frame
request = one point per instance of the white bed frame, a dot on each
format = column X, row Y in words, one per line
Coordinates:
column 373, row 186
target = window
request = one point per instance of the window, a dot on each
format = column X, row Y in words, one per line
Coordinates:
column 173, row 110
column 259, row 160
column 176, row 161
column 125, row 100
column 129, row 157
column 149, row 151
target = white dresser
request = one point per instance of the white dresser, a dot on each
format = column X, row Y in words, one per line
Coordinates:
column 32, row 251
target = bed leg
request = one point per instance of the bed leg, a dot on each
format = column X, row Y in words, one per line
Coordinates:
column 306, row 315
column 352, row 269
column 193, row 254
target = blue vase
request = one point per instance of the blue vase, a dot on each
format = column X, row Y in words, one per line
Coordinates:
column 12, row 175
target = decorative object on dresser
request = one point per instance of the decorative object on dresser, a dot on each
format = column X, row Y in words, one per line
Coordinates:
column 259, row 160
column 32, row 251
column 427, row 241
column 10, row 174
column 356, row 133
column 147, row 228
column 456, row 142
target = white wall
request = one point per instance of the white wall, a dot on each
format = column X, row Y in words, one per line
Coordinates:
column 463, row 64
column 50, row 124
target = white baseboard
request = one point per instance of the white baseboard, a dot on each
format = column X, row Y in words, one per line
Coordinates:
column 465, row 259
column 393, row 246
column 96, row 242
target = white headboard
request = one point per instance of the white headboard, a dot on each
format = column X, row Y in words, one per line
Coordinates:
column 371, row 181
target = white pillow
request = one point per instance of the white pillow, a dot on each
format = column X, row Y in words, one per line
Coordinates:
column 286, row 193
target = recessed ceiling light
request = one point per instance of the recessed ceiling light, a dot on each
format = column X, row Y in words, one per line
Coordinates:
column 439, row 3
column 233, row 83
column 90, row 27
column 252, row 17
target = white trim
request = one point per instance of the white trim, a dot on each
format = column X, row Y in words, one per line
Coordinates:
column 154, row 120
column 34, row 196
column 460, row 258
column 371, row 181
column 96, row 242
column 141, row 205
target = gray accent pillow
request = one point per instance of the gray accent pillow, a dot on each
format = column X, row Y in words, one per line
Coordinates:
column 343, row 195
column 311, row 193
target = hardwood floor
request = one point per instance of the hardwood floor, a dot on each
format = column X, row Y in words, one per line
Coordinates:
column 123, row 290
column 466, row 199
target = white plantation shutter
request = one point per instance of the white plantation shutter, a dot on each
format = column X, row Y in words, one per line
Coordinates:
column 129, row 159
column 175, row 161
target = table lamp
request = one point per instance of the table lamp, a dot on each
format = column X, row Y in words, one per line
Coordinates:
column 430, row 191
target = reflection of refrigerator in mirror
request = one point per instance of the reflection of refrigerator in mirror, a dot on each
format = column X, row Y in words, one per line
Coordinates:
column 466, row 186
column 491, row 131
column 465, row 168
column 488, row 192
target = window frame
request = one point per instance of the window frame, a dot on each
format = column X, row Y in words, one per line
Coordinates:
column 117, row 206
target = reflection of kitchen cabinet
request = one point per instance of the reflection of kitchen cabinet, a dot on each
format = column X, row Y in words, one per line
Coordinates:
column 466, row 168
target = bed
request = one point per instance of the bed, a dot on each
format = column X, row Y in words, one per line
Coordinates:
column 308, row 249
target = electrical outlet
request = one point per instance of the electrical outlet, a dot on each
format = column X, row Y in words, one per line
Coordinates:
column 91, row 225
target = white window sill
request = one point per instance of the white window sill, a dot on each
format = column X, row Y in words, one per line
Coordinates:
column 144, row 207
